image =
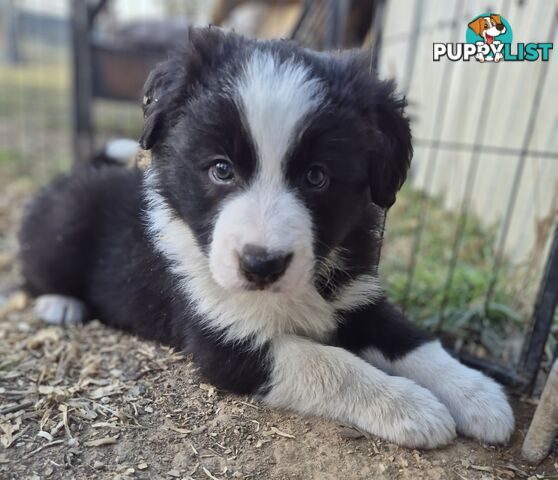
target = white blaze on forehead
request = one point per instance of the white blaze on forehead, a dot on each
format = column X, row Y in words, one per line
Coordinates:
column 274, row 97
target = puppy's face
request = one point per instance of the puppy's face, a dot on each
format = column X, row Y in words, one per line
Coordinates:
column 273, row 155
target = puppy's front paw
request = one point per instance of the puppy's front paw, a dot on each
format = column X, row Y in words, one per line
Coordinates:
column 413, row 417
column 480, row 409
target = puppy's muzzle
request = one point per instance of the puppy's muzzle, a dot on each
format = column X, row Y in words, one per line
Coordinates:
column 261, row 267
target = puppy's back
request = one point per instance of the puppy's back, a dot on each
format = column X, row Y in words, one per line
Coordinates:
column 64, row 226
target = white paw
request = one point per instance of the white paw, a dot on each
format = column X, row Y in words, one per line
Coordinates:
column 480, row 408
column 60, row 310
column 413, row 417
column 477, row 403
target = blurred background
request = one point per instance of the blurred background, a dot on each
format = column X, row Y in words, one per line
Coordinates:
column 470, row 248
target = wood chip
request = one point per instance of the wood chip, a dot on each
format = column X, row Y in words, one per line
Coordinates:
column 182, row 431
column 208, row 473
column 481, row 468
column 50, row 390
column 350, row 433
column 15, row 303
column 105, row 425
column 105, row 391
column 44, row 336
column 276, row 431
column 6, row 439
column 16, row 408
column 210, row 389
column 46, row 445
column 99, row 442
column 64, row 409
column 45, row 435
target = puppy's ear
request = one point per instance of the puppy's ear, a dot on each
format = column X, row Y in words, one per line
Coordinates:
column 391, row 155
column 384, row 125
column 157, row 92
column 385, row 128
column 169, row 86
column 477, row 25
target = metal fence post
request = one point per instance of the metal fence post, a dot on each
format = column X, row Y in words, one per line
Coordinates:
column 337, row 22
column 82, row 81
column 543, row 314
column 11, row 32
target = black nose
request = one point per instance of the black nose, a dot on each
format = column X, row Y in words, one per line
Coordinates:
column 262, row 267
column 500, row 27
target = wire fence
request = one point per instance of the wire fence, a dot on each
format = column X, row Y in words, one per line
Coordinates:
column 507, row 294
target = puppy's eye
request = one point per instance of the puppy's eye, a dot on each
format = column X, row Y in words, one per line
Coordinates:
column 222, row 172
column 316, row 178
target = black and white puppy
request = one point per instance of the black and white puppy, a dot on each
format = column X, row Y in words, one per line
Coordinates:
column 250, row 242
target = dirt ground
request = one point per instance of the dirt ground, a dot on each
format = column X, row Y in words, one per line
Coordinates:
column 93, row 403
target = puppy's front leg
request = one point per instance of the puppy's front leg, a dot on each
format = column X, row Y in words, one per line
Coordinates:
column 332, row 382
column 386, row 339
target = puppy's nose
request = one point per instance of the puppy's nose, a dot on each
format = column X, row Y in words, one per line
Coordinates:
column 262, row 267
column 500, row 27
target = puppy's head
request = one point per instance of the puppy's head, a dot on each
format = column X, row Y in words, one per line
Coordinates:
column 272, row 155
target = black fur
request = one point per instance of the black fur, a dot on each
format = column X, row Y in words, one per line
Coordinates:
column 85, row 236
column 381, row 326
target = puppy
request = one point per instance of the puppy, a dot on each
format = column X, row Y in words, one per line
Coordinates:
column 250, row 242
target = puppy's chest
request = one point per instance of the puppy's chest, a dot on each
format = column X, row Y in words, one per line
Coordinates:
column 263, row 316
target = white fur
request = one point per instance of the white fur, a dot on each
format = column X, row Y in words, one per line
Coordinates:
column 270, row 218
column 239, row 314
column 362, row 290
column 332, row 382
column 274, row 98
column 60, row 310
column 122, row 149
column 477, row 403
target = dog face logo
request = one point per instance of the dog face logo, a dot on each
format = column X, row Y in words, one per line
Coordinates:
column 488, row 38
column 488, row 27
column 489, row 31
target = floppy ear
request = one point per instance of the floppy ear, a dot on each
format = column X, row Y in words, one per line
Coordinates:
column 385, row 128
column 156, row 101
column 477, row 25
column 392, row 156
column 497, row 19
column 171, row 83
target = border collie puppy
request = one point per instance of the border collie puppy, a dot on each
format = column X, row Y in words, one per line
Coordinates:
column 250, row 241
